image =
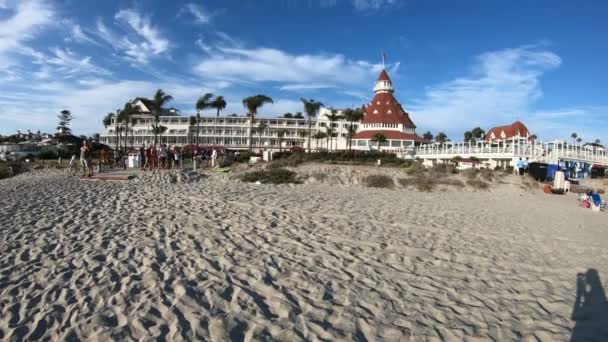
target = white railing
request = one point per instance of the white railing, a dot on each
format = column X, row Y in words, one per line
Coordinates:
column 551, row 152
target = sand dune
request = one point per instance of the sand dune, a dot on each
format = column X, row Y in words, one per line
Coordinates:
column 220, row 260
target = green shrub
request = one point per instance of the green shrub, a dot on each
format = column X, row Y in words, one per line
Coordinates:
column 272, row 176
column 470, row 173
column 378, row 181
column 487, row 174
column 46, row 155
column 342, row 157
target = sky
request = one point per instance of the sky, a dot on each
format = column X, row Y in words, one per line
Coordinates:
column 455, row 65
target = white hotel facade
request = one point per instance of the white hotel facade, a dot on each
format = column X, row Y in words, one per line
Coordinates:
column 232, row 132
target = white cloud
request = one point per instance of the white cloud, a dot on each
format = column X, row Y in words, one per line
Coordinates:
column 68, row 62
column 310, row 86
column 24, row 21
column 366, row 5
column 296, row 71
column 201, row 16
column 78, row 35
column 143, row 40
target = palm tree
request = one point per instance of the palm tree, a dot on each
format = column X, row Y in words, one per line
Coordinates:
column 597, row 141
column 159, row 130
column 333, row 117
column 318, row 136
column 533, row 137
column 379, row 138
column 441, row 137
column 352, row 115
column 428, row 136
column 329, row 132
column 158, row 101
column 260, row 129
column 280, row 134
column 202, row 103
column 478, row 133
column 468, row 136
column 191, row 121
column 573, row 136
column 107, row 121
column 219, row 103
column 311, row 107
column 252, row 104
column 124, row 116
column 579, row 140
column 133, row 123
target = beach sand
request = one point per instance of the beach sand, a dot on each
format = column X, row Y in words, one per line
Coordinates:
column 217, row 259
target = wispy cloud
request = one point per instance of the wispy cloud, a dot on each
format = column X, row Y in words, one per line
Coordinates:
column 78, row 35
column 373, row 5
column 501, row 87
column 201, row 16
column 22, row 24
column 296, row 72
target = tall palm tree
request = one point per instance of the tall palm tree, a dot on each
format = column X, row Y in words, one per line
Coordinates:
column 202, row 103
column 260, row 129
column 159, row 99
column 124, row 116
column 311, row 107
column 107, row 121
column 159, row 130
column 281, row 134
column 352, row 115
column 579, row 140
column 219, row 104
column 597, row 141
column 573, row 136
column 441, row 137
column 191, row 122
column 252, row 104
column 318, row 136
column 133, row 123
column 329, row 132
column 333, row 117
column 379, row 138
column 428, row 136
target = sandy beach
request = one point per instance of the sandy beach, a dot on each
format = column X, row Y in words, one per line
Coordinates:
column 217, row 259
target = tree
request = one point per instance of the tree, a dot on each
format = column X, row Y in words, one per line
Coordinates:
column 158, row 101
column 288, row 115
column 202, row 103
column 260, row 129
column 579, row 140
column 95, row 137
column 428, row 136
column 573, row 136
column 252, row 104
column 533, row 137
column 352, row 115
column 64, row 122
column 379, row 138
column 107, row 121
column 133, row 123
column 597, row 141
column 333, row 117
column 441, row 137
column 298, row 116
column 468, row 136
column 159, row 130
column 219, row 104
column 311, row 108
column 191, row 122
column 455, row 160
column 329, row 132
column 281, row 134
column 124, row 116
column 318, row 136
column 478, row 133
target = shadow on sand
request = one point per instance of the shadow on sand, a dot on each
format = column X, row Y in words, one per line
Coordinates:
column 590, row 309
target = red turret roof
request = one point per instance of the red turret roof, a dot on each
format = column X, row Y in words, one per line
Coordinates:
column 513, row 130
column 384, row 108
column 384, row 76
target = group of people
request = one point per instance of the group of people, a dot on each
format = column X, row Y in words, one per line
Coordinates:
column 161, row 157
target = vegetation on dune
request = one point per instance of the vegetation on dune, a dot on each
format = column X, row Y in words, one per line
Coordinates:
column 271, row 176
column 378, row 181
column 293, row 159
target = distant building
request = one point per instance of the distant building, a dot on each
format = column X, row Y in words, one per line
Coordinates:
column 516, row 130
column 385, row 115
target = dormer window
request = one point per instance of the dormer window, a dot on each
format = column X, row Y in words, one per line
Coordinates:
column 389, row 112
column 502, row 134
column 378, row 103
column 388, row 102
column 375, row 111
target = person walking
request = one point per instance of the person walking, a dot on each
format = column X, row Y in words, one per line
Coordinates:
column 85, row 159
column 72, row 169
column 520, row 166
column 142, row 156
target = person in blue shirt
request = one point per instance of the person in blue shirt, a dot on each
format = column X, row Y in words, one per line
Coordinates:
column 520, row 166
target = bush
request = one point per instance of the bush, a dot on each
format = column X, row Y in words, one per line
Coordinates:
column 245, row 156
column 414, row 168
column 470, row 173
column 487, row 174
column 342, row 157
column 46, row 155
column 379, row 181
column 272, row 176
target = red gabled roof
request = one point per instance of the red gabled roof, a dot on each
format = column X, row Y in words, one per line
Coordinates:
column 384, row 108
column 384, row 76
column 515, row 129
column 390, row 135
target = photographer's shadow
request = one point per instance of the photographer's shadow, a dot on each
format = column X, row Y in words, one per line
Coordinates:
column 590, row 309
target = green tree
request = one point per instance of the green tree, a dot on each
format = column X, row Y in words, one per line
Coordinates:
column 202, row 103
column 579, row 140
column 468, row 136
column 311, row 108
column 280, row 135
column 597, row 141
column 478, row 133
column 288, row 115
column 333, row 118
column 191, row 122
column 352, row 116
column 573, row 136
column 159, row 130
column 64, row 122
column 252, row 104
column 441, row 137
column 107, row 121
column 159, row 100
column 428, row 136
column 262, row 126
column 219, row 104
column 319, row 136
column 379, row 138
column 298, row 115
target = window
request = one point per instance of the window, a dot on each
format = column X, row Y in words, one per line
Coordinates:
column 375, row 111
column 389, row 112
column 395, row 143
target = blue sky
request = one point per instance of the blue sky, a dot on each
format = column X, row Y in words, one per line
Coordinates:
column 455, row 64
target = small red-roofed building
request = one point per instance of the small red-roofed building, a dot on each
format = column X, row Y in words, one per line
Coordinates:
column 515, row 130
column 385, row 115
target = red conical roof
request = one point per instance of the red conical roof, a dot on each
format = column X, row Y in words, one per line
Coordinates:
column 384, row 76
